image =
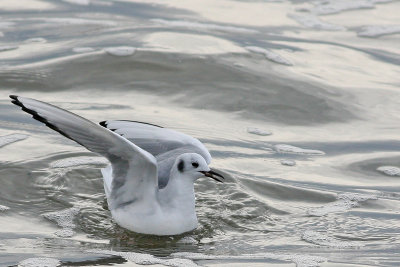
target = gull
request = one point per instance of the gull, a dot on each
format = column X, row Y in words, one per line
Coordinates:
column 149, row 183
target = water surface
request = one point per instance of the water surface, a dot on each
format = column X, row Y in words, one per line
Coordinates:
column 297, row 101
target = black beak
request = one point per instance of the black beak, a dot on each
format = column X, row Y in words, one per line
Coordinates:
column 216, row 176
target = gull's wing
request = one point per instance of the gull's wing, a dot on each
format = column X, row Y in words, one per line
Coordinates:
column 134, row 170
column 165, row 144
column 155, row 139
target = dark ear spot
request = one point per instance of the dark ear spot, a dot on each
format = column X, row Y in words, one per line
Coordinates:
column 181, row 166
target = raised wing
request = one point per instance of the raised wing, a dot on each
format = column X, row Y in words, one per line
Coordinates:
column 164, row 144
column 134, row 170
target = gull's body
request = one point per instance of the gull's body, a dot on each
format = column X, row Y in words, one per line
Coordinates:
column 174, row 212
column 149, row 184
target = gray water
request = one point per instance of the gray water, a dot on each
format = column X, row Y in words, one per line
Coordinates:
column 321, row 76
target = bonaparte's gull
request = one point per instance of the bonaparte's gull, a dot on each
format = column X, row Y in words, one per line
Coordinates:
column 149, row 184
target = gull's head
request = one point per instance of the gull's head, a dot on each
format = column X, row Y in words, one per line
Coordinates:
column 192, row 165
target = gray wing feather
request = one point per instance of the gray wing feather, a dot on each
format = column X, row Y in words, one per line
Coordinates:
column 155, row 139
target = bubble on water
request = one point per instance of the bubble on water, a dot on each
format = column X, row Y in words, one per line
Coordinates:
column 258, row 131
column 4, row 208
column 120, row 51
column 146, row 259
column 202, row 26
column 78, row 161
column 82, row 49
column 78, row 2
column 289, row 149
column 379, row 30
column 64, row 233
column 288, row 162
column 306, row 260
column 39, row 262
column 8, row 48
column 64, row 219
column 79, row 21
column 36, row 40
column 389, row 170
column 324, row 240
column 269, row 55
column 6, row 24
column 239, row 65
column 325, row 7
column 356, row 197
column 11, row 138
column 187, row 240
column 298, row 259
column 311, row 21
column 343, row 203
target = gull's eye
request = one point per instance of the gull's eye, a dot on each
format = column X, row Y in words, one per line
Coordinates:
column 195, row 164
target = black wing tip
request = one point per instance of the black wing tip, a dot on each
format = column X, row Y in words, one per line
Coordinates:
column 34, row 114
column 15, row 101
column 39, row 118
